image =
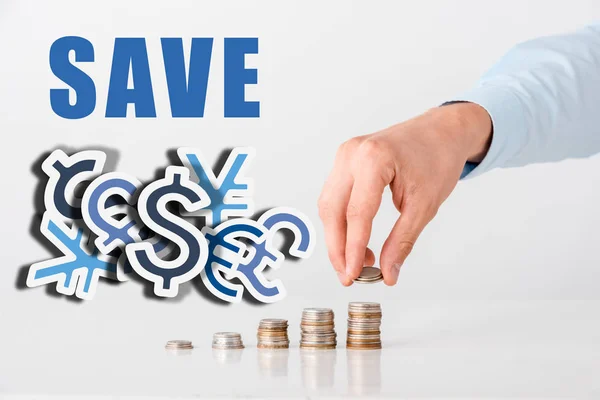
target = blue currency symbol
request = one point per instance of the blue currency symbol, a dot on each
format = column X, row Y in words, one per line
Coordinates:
column 230, row 193
column 65, row 174
column 167, row 275
column 77, row 271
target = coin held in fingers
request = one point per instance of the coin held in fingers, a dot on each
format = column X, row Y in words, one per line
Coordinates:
column 369, row 275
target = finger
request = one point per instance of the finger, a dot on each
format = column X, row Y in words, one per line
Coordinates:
column 400, row 242
column 362, row 207
column 332, row 211
column 369, row 258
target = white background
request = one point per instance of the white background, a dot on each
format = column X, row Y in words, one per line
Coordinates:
column 328, row 71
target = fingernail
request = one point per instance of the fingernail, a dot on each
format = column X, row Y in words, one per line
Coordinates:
column 395, row 271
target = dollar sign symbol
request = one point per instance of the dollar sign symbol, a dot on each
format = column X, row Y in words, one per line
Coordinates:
column 152, row 208
column 99, row 212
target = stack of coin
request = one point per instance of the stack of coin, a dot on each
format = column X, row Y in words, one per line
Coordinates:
column 317, row 329
column 272, row 334
column 369, row 275
column 179, row 345
column 227, row 341
column 364, row 321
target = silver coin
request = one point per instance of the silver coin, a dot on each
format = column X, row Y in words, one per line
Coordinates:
column 318, row 328
column 227, row 335
column 364, row 322
column 178, row 344
column 312, row 313
column 317, row 310
column 363, row 305
column 227, row 341
column 274, row 321
column 369, row 275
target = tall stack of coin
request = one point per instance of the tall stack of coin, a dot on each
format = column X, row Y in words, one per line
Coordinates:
column 317, row 329
column 272, row 334
column 364, row 322
column 227, row 341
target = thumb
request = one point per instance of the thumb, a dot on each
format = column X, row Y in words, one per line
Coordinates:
column 400, row 242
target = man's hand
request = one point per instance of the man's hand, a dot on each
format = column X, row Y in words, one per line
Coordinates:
column 421, row 160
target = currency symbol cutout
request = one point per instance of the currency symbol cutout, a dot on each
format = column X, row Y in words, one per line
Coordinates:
column 225, row 253
column 78, row 270
column 65, row 174
column 135, row 230
column 279, row 218
column 99, row 214
column 230, row 193
column 168, row 275
column 246, row 259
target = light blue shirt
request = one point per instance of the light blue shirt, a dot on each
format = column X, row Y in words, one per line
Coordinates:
column 543, row 98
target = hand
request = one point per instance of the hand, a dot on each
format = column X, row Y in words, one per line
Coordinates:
column 421, row 160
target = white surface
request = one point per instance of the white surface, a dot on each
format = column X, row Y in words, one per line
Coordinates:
column 328, row 70
column 457, row 349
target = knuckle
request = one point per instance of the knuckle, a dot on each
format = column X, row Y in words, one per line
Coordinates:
column 372, row 150
column 326, row 211
column 405, row 247
column 349, row 146
column 353, row 211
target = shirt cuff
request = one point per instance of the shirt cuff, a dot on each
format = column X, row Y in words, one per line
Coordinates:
column 508, row 126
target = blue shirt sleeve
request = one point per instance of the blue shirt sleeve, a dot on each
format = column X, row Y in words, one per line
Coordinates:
column 543, row 98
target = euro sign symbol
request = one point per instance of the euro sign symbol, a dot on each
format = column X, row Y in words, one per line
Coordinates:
column 193, row 249
column 247, row 258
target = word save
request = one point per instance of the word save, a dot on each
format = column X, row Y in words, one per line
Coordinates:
column 186, row 84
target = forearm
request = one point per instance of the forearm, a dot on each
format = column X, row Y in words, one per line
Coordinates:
column 543, row 98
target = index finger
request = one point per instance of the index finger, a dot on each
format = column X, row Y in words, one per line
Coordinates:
column 364, row 202
column 332, row 210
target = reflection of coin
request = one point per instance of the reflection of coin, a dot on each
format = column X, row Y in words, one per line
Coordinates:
column 369, row 275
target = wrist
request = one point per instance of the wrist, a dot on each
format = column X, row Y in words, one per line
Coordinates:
column 470, row 126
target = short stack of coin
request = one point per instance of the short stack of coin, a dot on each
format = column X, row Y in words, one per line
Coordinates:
column 227, row 341
column 273, row 334
column 369, row 275
column 364, row 322
column 317, row 329
column 179, row 345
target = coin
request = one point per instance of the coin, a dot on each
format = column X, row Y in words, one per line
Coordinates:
column 369, row 275
column 318, row 329
column 227, row 341
column 179, row 345
column 364, row 321
column 272, row 334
